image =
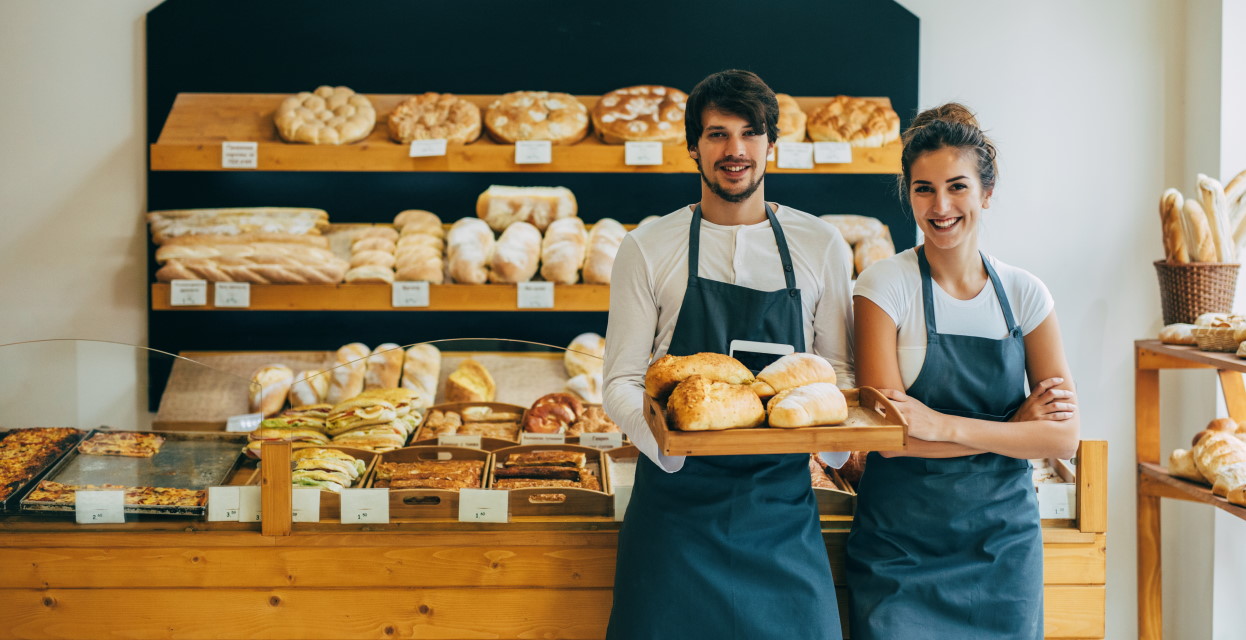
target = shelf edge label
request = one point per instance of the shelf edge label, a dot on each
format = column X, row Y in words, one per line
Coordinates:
column 409, row 294
column 188, row 293
column 795, row 155
column 534, row 152
column 535, row 295
column 542, row 438
column 641, row 154
column 484, row 505
column 231, row 295
column 240, row 155
column 365, row 505
column 603, row 441
column 305, row 504
column 427, row 148
column 249, row 504
column 99, row 507
column 222, row 504
column 832, row 152
column 459, row 441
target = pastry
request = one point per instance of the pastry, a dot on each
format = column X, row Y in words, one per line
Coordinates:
column 640, row 113
column 470, row 382
column 857, row 121
column 791, row 371
column 603, row 244
column 432, row 116
column 593, row 420
column 562, row 251
column 820, row 403
column 669, row 370
column 537, row 115
column 1178, row 333
column 269, row 387
column 553, row 413
column 500, row 206
column 791, row 119
column 329, row 115
column 516, row 255
column 469, row 247
column 701, row 404
column 584, row 355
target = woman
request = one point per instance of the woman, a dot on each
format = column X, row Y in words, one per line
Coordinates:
column 946, row 540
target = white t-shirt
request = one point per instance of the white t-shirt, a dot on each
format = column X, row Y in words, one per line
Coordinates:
column 650, row 277
column 895, row 286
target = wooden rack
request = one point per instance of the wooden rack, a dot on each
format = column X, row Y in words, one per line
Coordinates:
column 378, row 297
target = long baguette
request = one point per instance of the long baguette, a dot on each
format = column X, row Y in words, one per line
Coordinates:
column 1211, row 196
column 1202, row 246
column 1173, row 229
column 1236, row 188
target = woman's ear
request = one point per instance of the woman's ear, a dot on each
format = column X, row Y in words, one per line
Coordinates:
column 986, row 199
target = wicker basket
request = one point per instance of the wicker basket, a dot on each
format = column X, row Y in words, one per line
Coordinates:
column 1216, row 338
column 1187, row 291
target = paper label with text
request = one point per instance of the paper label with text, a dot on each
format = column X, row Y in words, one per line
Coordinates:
column 305, row 504
column 249, row 504
column 534, row 152
column 99, row 507
column 484, row 505
column 232, row 294
column 535, row 295
column 642, row 154
column 409, row 294
column 427, row 148
column 459, row 441
column 222, row 504
column 365, row 505
column 795, row 155
column 602, row 441
column 542, row 438
column 240, row 155
column 188, row 293
column 832, row 152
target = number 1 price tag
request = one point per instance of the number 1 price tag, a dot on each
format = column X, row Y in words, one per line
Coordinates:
column 99, row 507
column 602, row 441
column 365, row 505
column 249, row 504
column 427, row 148
column 409, row 294
column 795, row 155
column 535, row 295
column 232, row 294
column 832, row 152
column 222, row 504
column 484, row 505
column 305, row 504
column 188, row 293
column 534, row 152
column 240, row 155
column 642, row 153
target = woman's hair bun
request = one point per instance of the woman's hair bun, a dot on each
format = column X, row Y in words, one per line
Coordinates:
column 952, row 112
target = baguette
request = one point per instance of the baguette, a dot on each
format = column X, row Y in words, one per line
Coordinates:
column 791, row 371
column 384, row 368
column 1202, row 245
column 563, row 250
column 663, row 375
column 701, row 404
column 1181, row 465
column 1211, row 196
column 1235, row 189
column 420, row 370
column 810, row 405
column 1170, row 205
column 309, row 387
column 269, row 386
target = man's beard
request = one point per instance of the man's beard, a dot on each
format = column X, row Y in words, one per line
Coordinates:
column 726, row 195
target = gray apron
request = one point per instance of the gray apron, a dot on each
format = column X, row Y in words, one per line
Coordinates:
column 729, row 547
column 951, row 548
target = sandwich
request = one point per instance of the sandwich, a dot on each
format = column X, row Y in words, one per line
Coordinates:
column 358, row 412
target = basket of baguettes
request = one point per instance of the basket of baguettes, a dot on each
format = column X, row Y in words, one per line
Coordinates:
column 1203, row 237
column 711, row 404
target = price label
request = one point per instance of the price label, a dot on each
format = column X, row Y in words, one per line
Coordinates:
column 240, row 155
column 365, row 505
column 222, row 504
column 305, row 504
column 459, row 441
column 99, row 507
column 188, row 293
column 1055, row 500
column 534, row 152
column 642, row 153
column 249, row 504
column 542, row 438
column 535, row 295
column 795, row 155
column 602, row 441
column 232, row 294
column 832, row 152
column 427, row 148
column 484, row 505
column 244, row 422
column 622, row 496
column 409, row 294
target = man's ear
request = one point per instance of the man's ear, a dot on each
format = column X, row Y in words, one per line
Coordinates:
column 692, row 152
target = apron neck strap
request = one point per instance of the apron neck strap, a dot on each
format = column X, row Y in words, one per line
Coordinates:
column 694, row 246
column 923, row 266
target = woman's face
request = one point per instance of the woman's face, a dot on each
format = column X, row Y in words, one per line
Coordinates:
column 947, row 197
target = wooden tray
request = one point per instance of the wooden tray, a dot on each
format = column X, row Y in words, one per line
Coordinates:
column 487, row 444
column 873, row 424
column 429, row 503
column 559, row 501
column 330, row 502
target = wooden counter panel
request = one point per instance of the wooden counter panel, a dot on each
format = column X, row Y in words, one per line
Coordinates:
column 1076, row 563
column 1074, row 611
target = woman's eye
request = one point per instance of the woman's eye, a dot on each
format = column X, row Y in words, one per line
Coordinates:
column 922, row 189
column 959, row 186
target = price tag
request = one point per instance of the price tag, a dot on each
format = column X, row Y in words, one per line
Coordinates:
column 535, row 295
column 232, row 294
column 542, row 438
column 243, row 423
column 427, row 148
column 1055, row 500
column 188, row 293
column 99, row 507
column 484, row 505
column 602, row 441
column 459, row 441
column 240, row 155
column 305, row 504
column 249, row 504
column 642, row 153
column 409, row 294
column 222, row 504
column 534, row 152
column 365, row 505
column 832, row 152
column 622, row 496
column 795, row 155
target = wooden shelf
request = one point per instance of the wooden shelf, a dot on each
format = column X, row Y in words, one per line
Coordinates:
column 1155, row 481
column 378, row 297
column 199, row 122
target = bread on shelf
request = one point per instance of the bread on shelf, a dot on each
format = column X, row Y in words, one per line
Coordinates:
column 469, row 248
column 328, row 115
column 430, row 116
column 603, row 244
column 792, row 119
column 650, row 113
column 500, row 205
column 537, row 115
column 562, row 251
column 856, row 121
column 517, row 254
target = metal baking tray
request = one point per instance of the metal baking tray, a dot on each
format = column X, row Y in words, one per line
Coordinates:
column 186, row 460
column 13, row 501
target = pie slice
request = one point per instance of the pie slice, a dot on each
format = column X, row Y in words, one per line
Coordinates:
column 131, row 444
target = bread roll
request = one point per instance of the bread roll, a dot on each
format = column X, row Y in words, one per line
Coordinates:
column 701, row 404
column 384, row 367
column 1170, row 205
column 500, row 206
column 419, row 221
column 587, row 386
column 1219, row 425
column 374, row 258
column 516, row 255
column 792, row 119
column 269, row 386
column 872, row 250
column 603, row 245
column 1221, row 458
column 421, row 369
column 329, row 115
column 820, row 403
column 670, row 370
column 378, row 231
column 791, row 371
column 563, row 250
column 854, row 229
column 1201, row 244
column 346, row 377
column 1181, row 465
column 469, row 247
column 384, row 245
column 470, row 382
column 309, row 387
column 1179, row 333
column 584, row 354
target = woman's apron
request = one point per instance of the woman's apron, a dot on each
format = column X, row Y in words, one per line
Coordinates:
column 728, row 546
column 951, row 548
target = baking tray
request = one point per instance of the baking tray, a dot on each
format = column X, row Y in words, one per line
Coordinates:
column 873, row 424
column 186, row 460
column 14, row 500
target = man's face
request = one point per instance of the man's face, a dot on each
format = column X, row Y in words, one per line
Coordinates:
column 731, row 155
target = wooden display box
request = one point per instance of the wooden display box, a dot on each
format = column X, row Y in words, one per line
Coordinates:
column 414, row 504
column 1056, row 500
column 840, row 501
column 873, row 424
column 421, row 438
column 330, row 502
column 559, row 501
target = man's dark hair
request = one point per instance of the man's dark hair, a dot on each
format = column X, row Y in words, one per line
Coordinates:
column 740, row 93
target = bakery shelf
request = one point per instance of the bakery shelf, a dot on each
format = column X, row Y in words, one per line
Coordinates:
column 378, row 297
column 199, row 122
column 1155, row 481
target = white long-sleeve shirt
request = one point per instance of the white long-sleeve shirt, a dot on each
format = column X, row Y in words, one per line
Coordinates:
column 650, row 277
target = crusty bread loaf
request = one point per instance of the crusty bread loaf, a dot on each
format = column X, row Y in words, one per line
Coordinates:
column 791, row 119
column 329, row 115
column 858, row 121
column 562, row 250
column 584, row 354
column 1181, row 465
column 791, row 371
column 587, row 386
column 670, row 370
column 270, row 385
column 245, row 224
column 1179, row 333
column 384, row 367
column 516, row 255
column 1201, row 245
column 640, row 113
column 470, row 382
column 309, row 387
column 431, row 116
column 370, row 274
column 1170, row 205
column 701, row 404
column 421, row 369
column 820, row 403
column 377, row 231
column 537, row 115
column 871, row 250
column 255, row 269
column 1221, row 425
column 373, row 243
column 603, row 244
column 500, row 206
column 1221, row 458
column 419, row 221
column 469, row 247
column 346, row 377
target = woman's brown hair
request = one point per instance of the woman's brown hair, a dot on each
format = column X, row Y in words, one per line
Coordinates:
column 950, row 125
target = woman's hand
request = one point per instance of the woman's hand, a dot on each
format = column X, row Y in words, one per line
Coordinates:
column 924, row 423
column 1047, row 403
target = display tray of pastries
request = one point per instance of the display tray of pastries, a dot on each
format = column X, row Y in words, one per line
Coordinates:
column 25, row 454
column 424, row 481
column 496, row 424
column 835, row 495
column 552, row 479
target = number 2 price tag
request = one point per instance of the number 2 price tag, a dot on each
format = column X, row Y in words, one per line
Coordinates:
column 99, row 507
column 534, row 152
column 188, row 293
column 535, row 295
column 365, row 505
column 409, row 294
column 222, row 504
column 484, row 505
column 232, row 294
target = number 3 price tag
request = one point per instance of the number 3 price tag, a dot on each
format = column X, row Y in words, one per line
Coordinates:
column 484, row 505
column 99, row 507
column 365, row 505
column 222, row 504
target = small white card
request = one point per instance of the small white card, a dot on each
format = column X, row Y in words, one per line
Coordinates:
column 244, row 422
column 99, row 507
column 542, row 438
column 365, row 505
column 232, row 294
column 222, row 504
column 534, row 152
column 642, row 153
column 602, row 441
column 249, row 504
column 427, row 148
column 795, row 155
column 832, row 152
column 484, row 505
column 535, row 295
column 305, row 504
column 1056, row 500
column 240, row 155
column 459, row 441
column 188, row 293
column 409, row 294
column 622, row 496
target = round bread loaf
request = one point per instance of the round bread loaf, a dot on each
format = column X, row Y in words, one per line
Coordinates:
column 431, row 116
column 329, row 115
column 701, row 404
column 859, row 122
column 643, row 113
column 537, row 115
column 791, row 119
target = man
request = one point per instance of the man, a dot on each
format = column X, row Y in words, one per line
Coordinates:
column 724, row 546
